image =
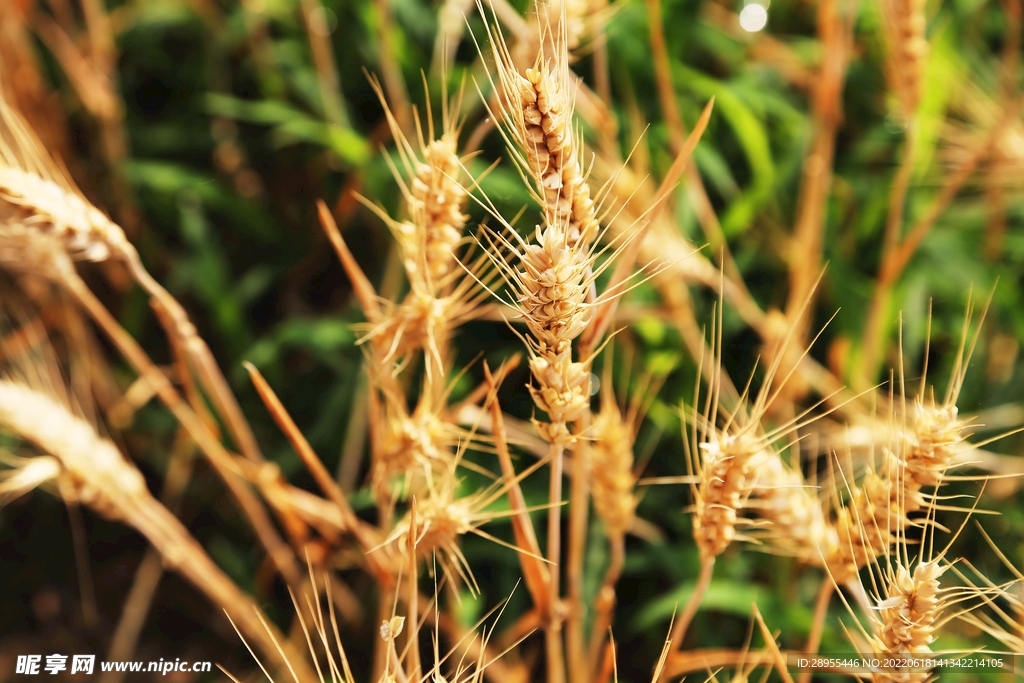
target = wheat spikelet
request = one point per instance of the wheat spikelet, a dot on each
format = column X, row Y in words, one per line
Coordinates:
column 550, row 281
column 924, row 442
column 36, row 196
column 412, row 445
column 439, row 518
column 725, row 483
column 536, row 108
column 26, row 475
column 730, row 450
column 910, row 604
column 907, row 618
column 425, row 319
column 438, row 197
column 720, row 453
column 887, row 498
column 434, row 194
column 867, row 525
column 799, row 526
column 440, row 521
column 932, row 441
column 612, row 478
column 95, row 469
column 563, row 392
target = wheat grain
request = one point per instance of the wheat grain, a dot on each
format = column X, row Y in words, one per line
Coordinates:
column 612, row 477
column 536, row 108
column 35, row 195
column 799, row 526
column 907, row 618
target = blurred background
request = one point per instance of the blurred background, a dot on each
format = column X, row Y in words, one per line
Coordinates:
column 209, row 129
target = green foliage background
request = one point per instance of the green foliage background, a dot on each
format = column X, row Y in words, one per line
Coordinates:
column 230, row 147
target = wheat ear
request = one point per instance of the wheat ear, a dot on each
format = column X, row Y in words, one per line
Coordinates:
column 799, row 525
column 904, row 22
column 537, row 109
column 93, row 472
column 38, row 199
column 925, row 439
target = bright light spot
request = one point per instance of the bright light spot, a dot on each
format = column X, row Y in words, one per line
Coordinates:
column 753, row 17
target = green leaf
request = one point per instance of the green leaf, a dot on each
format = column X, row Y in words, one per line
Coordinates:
column 753, row 138
column 291, row 125
column 730, row 597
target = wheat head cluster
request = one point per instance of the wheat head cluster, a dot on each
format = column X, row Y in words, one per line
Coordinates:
column 865, row 487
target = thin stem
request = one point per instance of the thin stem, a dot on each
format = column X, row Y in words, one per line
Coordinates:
column 413, row 600
column 86, row 586
column 218, row 456
column 204, row 363
column 555, row 652
column 818, row 625
column 323, row 61
column 355, row 435
column 136, row 608
column 150, row 571
column 900, row 186
column 398, row 95
column 182, row 553
column 883, row 288
column 707, row 568
column 579, row 506
column 816, row 183
column 381, row 648
column 606, row 604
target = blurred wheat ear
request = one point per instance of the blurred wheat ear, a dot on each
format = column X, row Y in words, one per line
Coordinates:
column 89, row 470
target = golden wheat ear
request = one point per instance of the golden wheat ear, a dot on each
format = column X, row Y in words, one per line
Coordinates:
column 536, row 111
column 431, row 182
column 909, row 598
column 37, row 197
column 88, row 469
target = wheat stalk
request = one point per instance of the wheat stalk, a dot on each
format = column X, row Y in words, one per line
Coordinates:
column 904, row 22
